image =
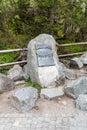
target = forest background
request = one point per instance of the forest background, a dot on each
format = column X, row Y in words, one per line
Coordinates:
column 22, row 20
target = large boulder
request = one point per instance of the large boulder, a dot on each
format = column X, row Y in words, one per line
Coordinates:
column 81, row 102
column 24, row 99
column 76, row 63
column 43, row 62
column 15, row 73
column 83, row 58
column 76, row 87
column 6, row 83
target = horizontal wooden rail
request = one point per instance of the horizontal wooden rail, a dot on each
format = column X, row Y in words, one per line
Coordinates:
column 25, row 49
column 25, row 61
column 72, row 44
column 13, row 50
column 66, row 55
column 13, row 63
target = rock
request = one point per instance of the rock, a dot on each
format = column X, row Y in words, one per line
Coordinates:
column 22, row 56
column 24, row 99
column 69, row 74
column 16, row 73
column 43, row 62
column 6, row 84
column 62, row 65
column 51, row 93
column 64, row 103
column 76, row 63
column 76, row 87
column 81, row 102
column 19, row 82
column 83, row 58
column 25, row 72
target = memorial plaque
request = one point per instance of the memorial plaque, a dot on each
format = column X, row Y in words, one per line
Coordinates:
column 44, row 55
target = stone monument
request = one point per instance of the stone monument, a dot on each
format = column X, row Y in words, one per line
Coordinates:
column 43, row 63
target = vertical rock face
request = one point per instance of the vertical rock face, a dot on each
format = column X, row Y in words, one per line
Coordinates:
column 43, row 63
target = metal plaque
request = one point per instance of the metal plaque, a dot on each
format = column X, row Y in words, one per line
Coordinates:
column 44, row 55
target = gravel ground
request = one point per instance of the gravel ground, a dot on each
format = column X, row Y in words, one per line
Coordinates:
column 57, row 114
column 46, row 122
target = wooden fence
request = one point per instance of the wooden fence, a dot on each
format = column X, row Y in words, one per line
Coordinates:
column 25, row 49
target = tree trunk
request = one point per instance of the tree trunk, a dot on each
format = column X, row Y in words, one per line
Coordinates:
column 51, row 17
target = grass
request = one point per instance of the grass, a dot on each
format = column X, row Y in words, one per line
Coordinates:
column 6, row 57
column 30, row 83
column 1, row 92
column 72, row 49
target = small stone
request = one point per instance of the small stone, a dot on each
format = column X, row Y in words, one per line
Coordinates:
column 19, row 82
column 81, row 102
column 69, row 74
column 15, row 73
column 6, row 84
column 59, row 98
column 64, row 103
column 51, row 93
column 76, row 63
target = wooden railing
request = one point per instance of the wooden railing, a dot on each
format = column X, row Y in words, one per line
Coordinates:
column 25, row 49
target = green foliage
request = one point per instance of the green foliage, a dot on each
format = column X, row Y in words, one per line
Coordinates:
column 1, row 92
column 4, row 58
column 22, row 20
column 30, row 83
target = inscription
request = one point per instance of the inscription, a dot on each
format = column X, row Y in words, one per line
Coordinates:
column 44, row 55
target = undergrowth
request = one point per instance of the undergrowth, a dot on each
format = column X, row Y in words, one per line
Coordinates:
column 30, row 83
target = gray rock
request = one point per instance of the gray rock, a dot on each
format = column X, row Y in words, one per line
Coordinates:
column 69, row 74
column 62, row 65
column 83, row 58
column 25, row 72
column 40, row 51
column 15, row 73
column 22, row 56
column 76, row 63
column 6, row 83
column 76, row 87
column 51, row 93
column 81, row 102
column 24, row 99
column 21, row 82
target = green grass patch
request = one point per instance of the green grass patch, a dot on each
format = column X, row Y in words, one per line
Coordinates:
column 30, row 83
column 1, row 92
column 72, row 49
column 7, row 57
